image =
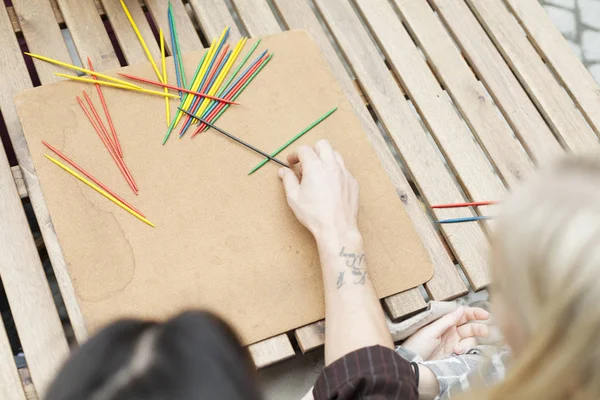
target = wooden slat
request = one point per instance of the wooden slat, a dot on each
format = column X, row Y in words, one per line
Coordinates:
column 10, row 383
column 57, row 13
column 35, row 315
column 213, row 16
column 89, row 35
column 560, row 57
column 14, row 20
column 128, row 41
column 19, row 182
column 404, row 303
column 469, row 95
column 270, row 351
column 43, row 36
column 446, row 283
column 27, row 290
column 30, row 392
column 454, row 138
column 14, row 78
column 188, row 37
column 311, row 336
column 505, row 89
column 257, row 17
column 437, row 185
column 552, row 101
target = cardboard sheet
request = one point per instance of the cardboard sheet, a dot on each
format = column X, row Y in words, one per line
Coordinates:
column 224, row 241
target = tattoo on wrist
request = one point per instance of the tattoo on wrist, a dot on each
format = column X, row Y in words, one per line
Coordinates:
column 355, row 262
column 340, row 281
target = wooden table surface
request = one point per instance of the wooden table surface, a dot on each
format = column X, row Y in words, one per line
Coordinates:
column 461, row 99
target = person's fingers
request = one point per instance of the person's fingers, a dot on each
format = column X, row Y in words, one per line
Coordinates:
column 307, row 155
column 290, row 181
column 325, row 151
column 474, row 314
column 447, row 321
column 473, row 329
column 340, row 160
column 465, row 345
column 292, row 158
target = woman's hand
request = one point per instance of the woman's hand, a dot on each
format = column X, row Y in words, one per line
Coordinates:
column 453, row 333
column 324, row 197
column 323, row 194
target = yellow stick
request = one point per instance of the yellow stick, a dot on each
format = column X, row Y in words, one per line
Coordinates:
column 196, row 83
column 99, row 190
column 164, row 71
column 142, row 42
column 86, row 71
column 116, row 85
column 215, row 87
column 203, row 71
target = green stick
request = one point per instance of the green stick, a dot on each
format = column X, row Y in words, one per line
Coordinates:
column 241, row 90
column 292, row 140
column 172, row 126
column 239, row 67
column 181, row 70
column 226, row 86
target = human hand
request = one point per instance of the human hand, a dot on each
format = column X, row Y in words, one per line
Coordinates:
column 453, row 333
column 324, row 195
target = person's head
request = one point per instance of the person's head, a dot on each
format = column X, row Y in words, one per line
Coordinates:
column 192, row 356
column 546, row 283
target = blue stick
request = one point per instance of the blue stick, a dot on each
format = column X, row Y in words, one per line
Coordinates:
column 212, row 81
column 174, row 50
column 232, row 85
column 458, row 220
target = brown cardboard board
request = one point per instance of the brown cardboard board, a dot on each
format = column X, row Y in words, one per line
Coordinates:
column 223, row 240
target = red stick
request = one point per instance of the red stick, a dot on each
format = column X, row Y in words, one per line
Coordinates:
column 108, row 118
column 151, row 82
column 122, row 167
column 230, row 95
column 99, row 121
column 107, row 137
column 457, row 205
column 205, row 86
column 90, row 177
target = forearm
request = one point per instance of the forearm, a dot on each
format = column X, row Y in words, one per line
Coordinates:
column 352, row 310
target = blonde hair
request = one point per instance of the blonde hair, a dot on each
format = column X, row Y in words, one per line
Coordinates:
column 547, row 244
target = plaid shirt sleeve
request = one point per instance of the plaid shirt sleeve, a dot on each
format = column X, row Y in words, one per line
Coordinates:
column 369, row 373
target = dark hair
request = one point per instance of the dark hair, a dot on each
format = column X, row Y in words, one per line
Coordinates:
column 192, row 356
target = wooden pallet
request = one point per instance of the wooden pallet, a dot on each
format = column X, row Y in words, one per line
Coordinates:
column 471, row 100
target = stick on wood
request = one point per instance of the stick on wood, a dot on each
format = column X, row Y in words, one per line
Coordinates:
column 459, row 220
column 457, row 205
column 85, row 71
column 151, row 82
column 235, row 92
column 229, row 135
column 106, row 113
column 142, row 41
column 121, row 167
column 292, row 140
column 99, row 122
column 164, row 74
column 117, row 85
column 90, row 177
column 99, row 190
